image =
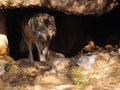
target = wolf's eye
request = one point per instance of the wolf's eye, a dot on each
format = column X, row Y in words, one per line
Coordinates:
column 46, row 22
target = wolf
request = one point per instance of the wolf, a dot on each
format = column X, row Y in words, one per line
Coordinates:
column 38, row 31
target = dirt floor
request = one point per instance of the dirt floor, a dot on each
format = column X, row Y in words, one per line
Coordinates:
column 96, row 69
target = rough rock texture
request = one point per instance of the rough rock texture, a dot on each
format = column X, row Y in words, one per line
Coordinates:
column 68, row 6
column 24, row 75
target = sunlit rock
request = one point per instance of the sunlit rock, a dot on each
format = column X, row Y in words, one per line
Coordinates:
column 88, row 61
column 67, row 6
column 2, row 69
column 3, row 45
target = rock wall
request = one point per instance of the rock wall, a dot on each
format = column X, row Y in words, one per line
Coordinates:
column 68, row 6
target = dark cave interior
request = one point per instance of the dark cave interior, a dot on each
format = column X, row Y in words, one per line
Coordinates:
column 73, row 31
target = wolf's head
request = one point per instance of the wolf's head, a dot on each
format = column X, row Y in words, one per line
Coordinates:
column 43, row 26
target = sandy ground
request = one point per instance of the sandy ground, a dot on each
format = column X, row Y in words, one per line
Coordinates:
column 100, row 71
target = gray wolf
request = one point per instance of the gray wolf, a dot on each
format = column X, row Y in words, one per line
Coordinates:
column 38, row 31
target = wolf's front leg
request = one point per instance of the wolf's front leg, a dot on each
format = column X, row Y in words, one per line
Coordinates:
column 45, row 47
column 45, row 52
column 40, row 48
column 29, row 44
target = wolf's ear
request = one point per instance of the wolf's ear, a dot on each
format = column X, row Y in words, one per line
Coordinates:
column 53, row 19
column 31, row 24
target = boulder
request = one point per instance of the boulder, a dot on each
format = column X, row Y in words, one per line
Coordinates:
column 85, row 7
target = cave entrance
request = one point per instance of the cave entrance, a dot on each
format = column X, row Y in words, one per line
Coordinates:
column 73, row 31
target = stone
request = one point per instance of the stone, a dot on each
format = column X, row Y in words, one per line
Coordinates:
column 68, row 6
